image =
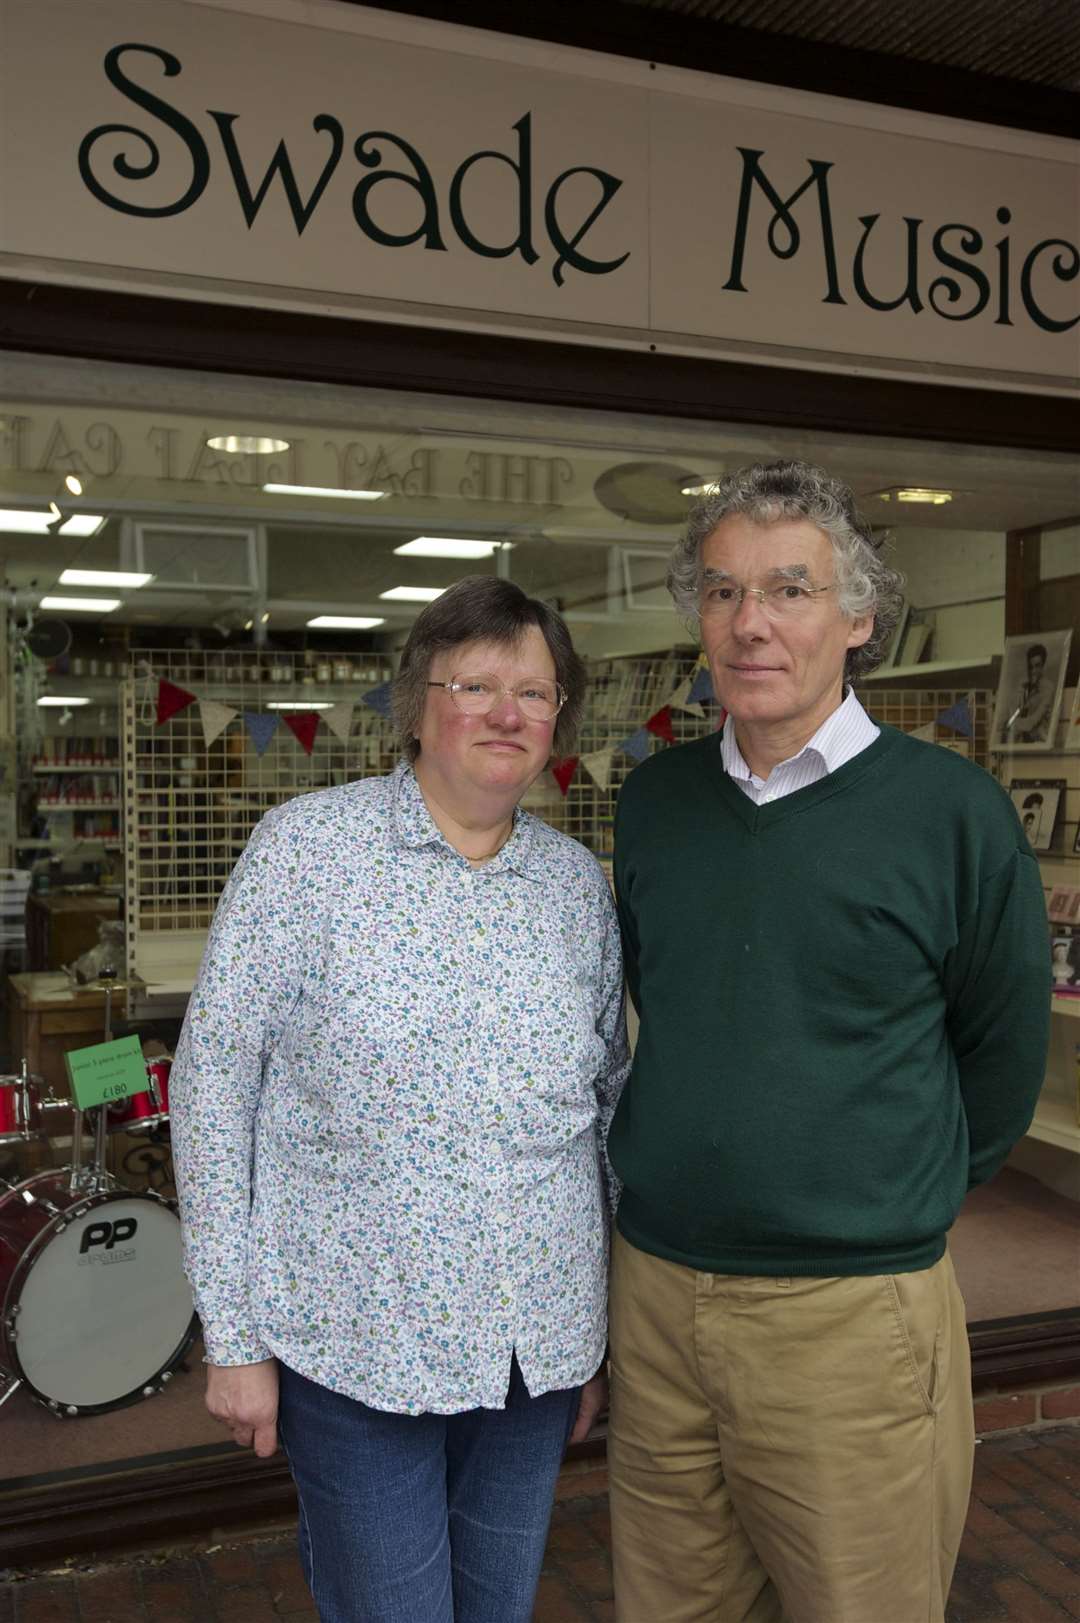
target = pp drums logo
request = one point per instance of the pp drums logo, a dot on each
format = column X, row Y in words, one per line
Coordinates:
column 100, row 1241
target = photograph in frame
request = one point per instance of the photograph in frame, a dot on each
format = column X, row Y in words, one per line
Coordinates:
column 1028, row 700
column 1072, row 728
column 1037, row 801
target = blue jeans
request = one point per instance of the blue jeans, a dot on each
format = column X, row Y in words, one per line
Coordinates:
column 423, row 1518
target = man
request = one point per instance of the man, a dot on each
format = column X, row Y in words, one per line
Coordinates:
column 836, row 939
column 1030, row 721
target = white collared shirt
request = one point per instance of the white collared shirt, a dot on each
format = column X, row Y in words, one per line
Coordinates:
column 842, row 736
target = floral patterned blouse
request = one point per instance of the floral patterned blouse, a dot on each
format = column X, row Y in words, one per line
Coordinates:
column 389, row 1104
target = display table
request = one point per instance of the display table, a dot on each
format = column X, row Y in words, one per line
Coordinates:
column 46, row 1018
column 60, row 926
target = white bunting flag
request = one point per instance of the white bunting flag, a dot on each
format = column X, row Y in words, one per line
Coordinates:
column 215, row 718
column 598, row 765
column 339, row 719
column 927, row 733
column 680, row 699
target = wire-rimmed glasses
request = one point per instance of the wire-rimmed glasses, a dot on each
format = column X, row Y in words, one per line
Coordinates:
column 784, row 600
column 477, row 692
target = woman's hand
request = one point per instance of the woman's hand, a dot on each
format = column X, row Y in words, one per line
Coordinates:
column 244, row 1397
column 594, row 1396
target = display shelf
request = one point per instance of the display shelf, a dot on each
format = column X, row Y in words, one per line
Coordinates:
column 1064, row 1003
column 46, row 806
column 44, row 769
column 1055, row 1123
column 932, row 667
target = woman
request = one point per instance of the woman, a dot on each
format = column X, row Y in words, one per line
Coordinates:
column 399, row 1062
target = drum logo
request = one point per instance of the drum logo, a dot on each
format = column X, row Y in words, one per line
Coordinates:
column 100, row 1240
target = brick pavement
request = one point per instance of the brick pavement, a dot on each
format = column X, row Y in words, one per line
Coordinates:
column 1020, row 1559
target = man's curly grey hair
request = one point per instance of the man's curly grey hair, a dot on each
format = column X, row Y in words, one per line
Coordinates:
column 768, row 492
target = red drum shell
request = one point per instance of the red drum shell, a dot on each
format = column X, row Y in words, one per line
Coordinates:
column 141, row 1111
column 20, row 1109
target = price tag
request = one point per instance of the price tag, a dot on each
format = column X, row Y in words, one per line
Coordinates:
column 107, row 1072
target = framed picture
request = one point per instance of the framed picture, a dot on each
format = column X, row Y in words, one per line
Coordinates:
column 1029, row 694
column 1065, row 959
column 1037, row 801
column 1072, row 731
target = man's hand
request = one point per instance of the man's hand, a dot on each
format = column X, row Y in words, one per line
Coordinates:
column 594, row 1396
column 244, row 1397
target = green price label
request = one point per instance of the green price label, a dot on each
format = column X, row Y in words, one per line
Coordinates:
column 107, row 1072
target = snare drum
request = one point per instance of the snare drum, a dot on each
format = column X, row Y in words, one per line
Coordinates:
column 20, row 1109
column 96, row 1312
column 140, row 1111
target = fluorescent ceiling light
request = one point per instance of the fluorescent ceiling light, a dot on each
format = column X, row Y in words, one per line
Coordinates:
column 446, row 546
column 915, row 493
column 82, row 524
column 326, row 490
column 288, row 704
column 246, row 444
column 19, row 522
column 54, row 701
column 81, row 605
column 345, row 622
column 413, row 594
column 706, row 487
column 103, row 577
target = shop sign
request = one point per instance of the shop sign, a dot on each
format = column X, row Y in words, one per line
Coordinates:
column 396, row 178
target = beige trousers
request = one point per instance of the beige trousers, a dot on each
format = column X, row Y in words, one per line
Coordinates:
column 786, row 1450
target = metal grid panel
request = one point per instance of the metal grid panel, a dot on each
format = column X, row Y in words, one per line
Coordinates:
column 912, row 708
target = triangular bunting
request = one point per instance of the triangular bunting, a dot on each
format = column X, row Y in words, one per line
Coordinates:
column 958, row 717
column 563, row 771
column 680, row 699
column 215, row 718
column 171, row 700
column 261, row 727
column 660, row 725
column 701, row 687
column 598, row 765
column 928, row 733
column 637, row 744
column 339, row 719
column 379, row 698
column 303, row 724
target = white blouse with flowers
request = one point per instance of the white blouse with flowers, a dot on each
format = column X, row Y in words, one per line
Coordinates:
column 389, row 1104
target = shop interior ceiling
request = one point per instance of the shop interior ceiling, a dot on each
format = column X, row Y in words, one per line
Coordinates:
column 592, row 534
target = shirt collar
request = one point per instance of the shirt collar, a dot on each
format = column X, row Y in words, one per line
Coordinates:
column 415, row 827
column 840, row 736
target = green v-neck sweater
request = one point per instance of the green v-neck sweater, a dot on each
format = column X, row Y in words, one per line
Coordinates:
column 845, row 1007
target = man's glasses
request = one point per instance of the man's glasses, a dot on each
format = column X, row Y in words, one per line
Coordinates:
column 476, row 694
column 787, row 600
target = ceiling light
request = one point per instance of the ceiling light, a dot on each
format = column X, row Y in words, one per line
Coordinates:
column 288, row 704
column 19, row 522
column 443, row 546
column 81, row 605
column 246, row 444
column 413, row 594
column 82, row 524
column 705, row 487
column 55, row 701
column 344, row 622
column 73, row 483
column 55, row 514
column 325, row 490
column 264, row 618
column 103, row 577
column 914, row 493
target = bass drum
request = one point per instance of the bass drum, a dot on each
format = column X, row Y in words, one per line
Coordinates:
column 96, row 1310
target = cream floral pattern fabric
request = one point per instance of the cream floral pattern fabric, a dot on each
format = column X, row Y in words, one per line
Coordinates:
column 389, row 1104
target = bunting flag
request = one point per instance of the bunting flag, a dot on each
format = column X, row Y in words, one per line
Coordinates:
column 958, row 717
column 339, row 719
column 598, row 765
column 171, row 700
column 928, row 733
column 379, row 698
column 215, row 718
column 660, row 725
column 303, row 724
column 701, row 687
column 637, row 744
column 261, row 727
column 563, row 771
column 680, row 699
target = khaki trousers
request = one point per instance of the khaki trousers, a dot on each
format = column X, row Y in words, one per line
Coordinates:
column 786, row 1450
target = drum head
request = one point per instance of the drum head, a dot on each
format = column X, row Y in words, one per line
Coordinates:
column 105, row 1306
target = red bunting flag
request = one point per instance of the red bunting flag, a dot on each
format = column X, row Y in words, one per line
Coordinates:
column 660, row 724
column 303, row 724
column 562, row 771
column 171, row 700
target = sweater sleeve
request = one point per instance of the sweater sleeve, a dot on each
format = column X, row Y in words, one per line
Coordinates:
column 997, row 984
column 250, row 976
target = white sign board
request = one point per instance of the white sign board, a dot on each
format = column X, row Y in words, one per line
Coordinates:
column 196, row 148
